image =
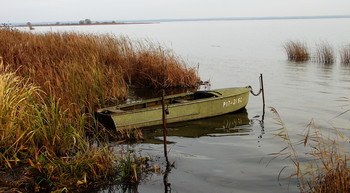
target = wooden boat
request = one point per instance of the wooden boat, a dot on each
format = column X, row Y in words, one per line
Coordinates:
column 180, row 107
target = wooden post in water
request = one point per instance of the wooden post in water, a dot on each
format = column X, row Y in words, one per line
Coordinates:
column 262, row 90
column 263, row 98
column 164, row 126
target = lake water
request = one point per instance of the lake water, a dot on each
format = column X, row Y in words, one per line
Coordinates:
column 231, row 153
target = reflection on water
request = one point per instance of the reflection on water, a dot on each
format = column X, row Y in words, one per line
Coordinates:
column 345, row 73
column 235, row 124
column 123, row 188
column 222, row 125
column 167, row 185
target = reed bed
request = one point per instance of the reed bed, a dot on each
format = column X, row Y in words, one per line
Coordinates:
column 296, row 51
column 52, row 150
column 86, row 70
column 50, row 87
column 345, row 54
column 325, row 54
column 326, row 169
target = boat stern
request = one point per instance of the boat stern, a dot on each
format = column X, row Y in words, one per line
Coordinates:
column 105, row 118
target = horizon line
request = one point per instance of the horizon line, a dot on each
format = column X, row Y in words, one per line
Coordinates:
column 199, row 19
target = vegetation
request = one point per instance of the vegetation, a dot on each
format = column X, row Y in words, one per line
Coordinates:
column 296, row 51
column 84, row 71
column 50, row 86
column 85, row 21
column 326, row 169
column 38, row 135
column 345, row 55
column 324, row 54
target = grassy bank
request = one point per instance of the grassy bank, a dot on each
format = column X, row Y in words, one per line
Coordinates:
column 50, row 86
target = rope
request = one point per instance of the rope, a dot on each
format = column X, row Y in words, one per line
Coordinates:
column 261, row 87
column 255, row 94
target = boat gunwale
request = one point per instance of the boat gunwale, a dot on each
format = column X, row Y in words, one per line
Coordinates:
column 157, row 107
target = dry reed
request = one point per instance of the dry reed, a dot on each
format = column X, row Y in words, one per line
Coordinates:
column 326, row 169
column 38, row 133
column 86, row 70
column 345, row 54
column 324, row 54
column 296, row 51
column 50, row 86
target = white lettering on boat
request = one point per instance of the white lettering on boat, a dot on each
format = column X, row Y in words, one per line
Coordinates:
column 232, row 102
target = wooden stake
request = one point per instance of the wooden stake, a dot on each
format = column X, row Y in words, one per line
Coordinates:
column 164, row 126
column 262, row 89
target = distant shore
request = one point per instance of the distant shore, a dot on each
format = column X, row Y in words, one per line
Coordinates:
column 78, row 24
column 156, row 21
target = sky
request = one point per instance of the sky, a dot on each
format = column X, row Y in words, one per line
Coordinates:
column 13, row 11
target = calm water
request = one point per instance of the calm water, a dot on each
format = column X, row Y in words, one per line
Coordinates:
column 231, row 153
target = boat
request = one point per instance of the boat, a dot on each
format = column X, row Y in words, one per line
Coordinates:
column 179, row 107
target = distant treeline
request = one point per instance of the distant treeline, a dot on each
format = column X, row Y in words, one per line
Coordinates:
column 89, row 22
column 81, row 22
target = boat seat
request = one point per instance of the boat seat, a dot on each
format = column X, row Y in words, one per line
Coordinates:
column 181, row 101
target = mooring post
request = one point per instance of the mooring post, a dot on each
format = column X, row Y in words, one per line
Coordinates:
column 262, row 89
column 263, row 97
column 164, row 126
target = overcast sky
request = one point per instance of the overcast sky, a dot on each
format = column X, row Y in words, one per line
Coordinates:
column 13, row 11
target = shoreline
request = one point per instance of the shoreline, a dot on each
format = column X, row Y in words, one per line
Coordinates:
column 77, row 24
column 157, row 21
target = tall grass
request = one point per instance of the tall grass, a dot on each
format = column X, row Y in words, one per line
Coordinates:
column 325, row 54
column 50, row 86
column 345, row 54
column 296, row 51
column 34, row 131
column 84, row 70
column 326, row 169
column 38, row 133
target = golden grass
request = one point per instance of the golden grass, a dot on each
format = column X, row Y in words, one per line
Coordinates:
column 16, row 108
column 326, row 169
column 86, row 70
column 50, row 86
column 38, row 133
column 296, row 51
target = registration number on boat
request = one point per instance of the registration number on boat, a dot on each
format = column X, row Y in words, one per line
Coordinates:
column 232, row 102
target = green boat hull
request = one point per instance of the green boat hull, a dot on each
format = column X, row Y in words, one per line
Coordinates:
column 181, row 107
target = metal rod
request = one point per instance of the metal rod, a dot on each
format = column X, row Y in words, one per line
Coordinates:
column 164, row 126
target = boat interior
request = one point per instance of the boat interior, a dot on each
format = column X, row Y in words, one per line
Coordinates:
column 158, row 101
